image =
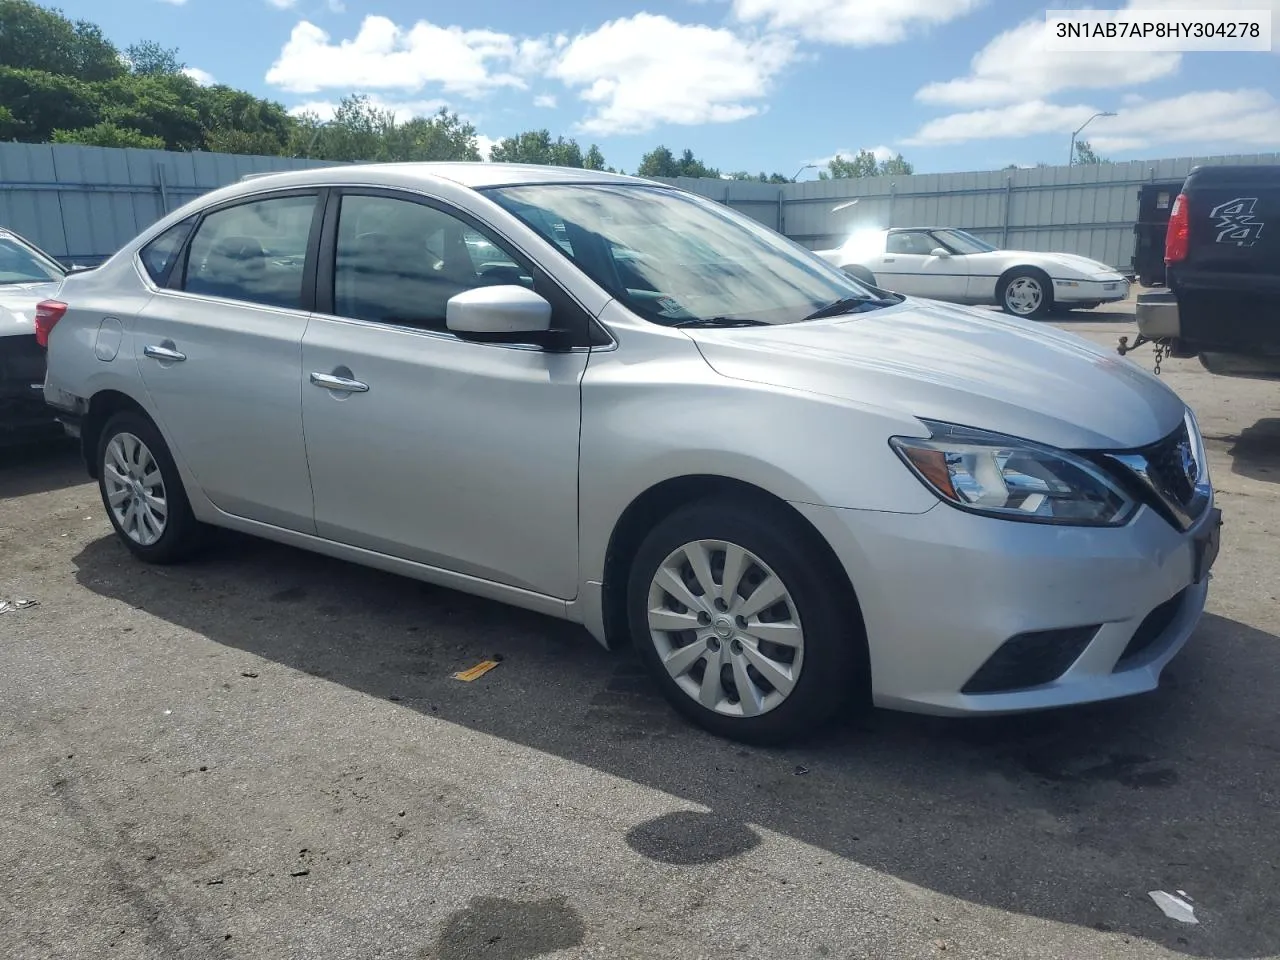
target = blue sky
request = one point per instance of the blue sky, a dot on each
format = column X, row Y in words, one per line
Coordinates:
column 747, row 84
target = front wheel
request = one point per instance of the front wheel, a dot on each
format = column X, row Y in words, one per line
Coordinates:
column 143, row 492
column 742, row 625
column 1026, row 292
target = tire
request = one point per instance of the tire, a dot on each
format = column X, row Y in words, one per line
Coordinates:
column 1018, row 285
column 828, row 669
column 161, row 529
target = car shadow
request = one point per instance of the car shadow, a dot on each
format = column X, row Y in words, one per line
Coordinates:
column 1256, row 452
column 1071, row 816
column 40, row 467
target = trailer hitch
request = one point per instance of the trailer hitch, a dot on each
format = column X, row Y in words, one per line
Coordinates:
column 1162, row 348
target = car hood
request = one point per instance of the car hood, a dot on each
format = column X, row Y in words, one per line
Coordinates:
column 18, row 305
column 921, row 359
column 1082, row 266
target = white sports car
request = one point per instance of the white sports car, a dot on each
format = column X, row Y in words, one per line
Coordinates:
column 943, row 263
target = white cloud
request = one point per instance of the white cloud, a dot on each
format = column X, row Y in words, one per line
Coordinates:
column 202, row 77
column 545, row 100
column 385, row 56
column 403, row 109
column 1215, row 118
column 283, row 4
column 176, row 3
column 1015, row 66
column 644, row 70
column 485, row 144
column 861, row 23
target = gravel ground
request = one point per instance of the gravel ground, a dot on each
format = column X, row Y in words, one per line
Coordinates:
column 262, row 754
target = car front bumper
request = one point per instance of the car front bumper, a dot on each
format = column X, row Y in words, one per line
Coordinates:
column 942, row 592
column 1090, row 291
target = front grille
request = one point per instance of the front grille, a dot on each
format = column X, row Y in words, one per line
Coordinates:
column 1165, row 476
column 1168, row 463
column 1030, row 660
column 1151, row 629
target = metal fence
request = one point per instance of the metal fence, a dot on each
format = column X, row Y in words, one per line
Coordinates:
column 1088, row 210
column 82, row 203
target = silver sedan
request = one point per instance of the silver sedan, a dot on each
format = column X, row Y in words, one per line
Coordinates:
column 614, row 402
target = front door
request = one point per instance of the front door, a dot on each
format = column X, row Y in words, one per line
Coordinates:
column 219, row 352
column 909, row 266
column 423, row 446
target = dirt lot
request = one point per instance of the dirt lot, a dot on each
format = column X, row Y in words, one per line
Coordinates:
column 262, row 754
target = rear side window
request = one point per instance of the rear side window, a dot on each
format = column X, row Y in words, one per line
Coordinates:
column 254, row 252
column 159, row 255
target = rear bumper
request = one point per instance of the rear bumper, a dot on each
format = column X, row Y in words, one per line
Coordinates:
column 1158, row 317
column 24, row 414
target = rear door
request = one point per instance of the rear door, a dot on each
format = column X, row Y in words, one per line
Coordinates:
column 1228, row 287
column 220, row 351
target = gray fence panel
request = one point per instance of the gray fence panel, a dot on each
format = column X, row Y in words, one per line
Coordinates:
column 82, row 203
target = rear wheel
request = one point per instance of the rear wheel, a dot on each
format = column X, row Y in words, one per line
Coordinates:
column 143, row 492
column 742, row 625
column 1026, row 292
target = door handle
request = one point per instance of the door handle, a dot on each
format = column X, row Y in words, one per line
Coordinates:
column 341, row 384
column 164, row 353
column 890, row 260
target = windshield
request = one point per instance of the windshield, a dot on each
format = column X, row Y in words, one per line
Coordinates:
column 20, row 263
column 674, row 258
column 962, row 242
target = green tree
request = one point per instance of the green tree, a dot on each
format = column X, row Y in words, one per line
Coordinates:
column 865, row 164
column 361, row 131
column 1084, row 154
column 40, row 103
column 661, row 162
column 34, row 38
column 536, row 146
column 158, row 105
column 760, row 177
column 108, row 135
column 237, row 122
column 149, row 58
column 594, row 160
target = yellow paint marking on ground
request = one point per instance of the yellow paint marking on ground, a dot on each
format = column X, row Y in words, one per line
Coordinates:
column 476, row 672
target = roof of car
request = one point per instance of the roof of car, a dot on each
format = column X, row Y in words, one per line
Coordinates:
column 475, row 174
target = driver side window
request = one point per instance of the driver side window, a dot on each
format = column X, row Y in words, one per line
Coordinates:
column 919, row 243
column 400, row 262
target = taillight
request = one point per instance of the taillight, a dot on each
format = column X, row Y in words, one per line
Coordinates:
column 1178, row 237
column 48, row 313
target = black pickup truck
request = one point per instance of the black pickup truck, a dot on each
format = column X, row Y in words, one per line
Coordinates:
column 1222, row 257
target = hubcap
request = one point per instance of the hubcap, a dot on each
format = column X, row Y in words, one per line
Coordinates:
column 1024, row 295
column 135, row 489
column 726, row 628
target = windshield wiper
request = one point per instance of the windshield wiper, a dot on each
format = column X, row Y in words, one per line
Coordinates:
column 848, row 305
column 720, row 322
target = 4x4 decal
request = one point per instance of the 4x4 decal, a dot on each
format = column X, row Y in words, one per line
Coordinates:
column 1236, row 223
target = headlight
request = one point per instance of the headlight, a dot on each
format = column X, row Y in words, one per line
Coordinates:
column 1014, row 479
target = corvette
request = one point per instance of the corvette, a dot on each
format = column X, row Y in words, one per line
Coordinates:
column 943, row 263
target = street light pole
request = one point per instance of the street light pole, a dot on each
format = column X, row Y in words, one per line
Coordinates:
column 807, row 166
column 1071, row 157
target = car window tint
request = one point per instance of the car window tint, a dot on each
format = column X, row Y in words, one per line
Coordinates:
column 253, row 252
column 20, row 264
column 400, row 262
column 917, row 243
column 158, row 255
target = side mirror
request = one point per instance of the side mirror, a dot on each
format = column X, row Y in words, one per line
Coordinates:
column 939, row 252
column 501, row 314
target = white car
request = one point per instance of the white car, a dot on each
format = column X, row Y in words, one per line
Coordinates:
column 634, row 408
column 27, row 276
column 943, row 263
